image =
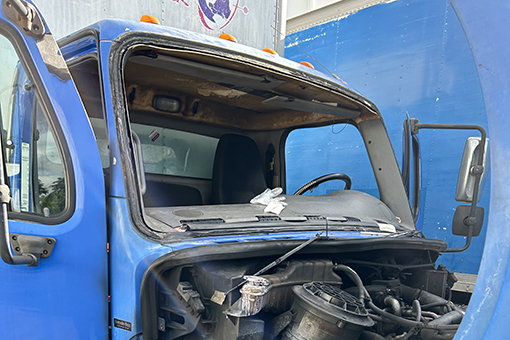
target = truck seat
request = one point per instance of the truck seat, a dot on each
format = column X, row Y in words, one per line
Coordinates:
column 238, row 174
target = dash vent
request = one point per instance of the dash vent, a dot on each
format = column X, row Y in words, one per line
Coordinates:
column 268, row 218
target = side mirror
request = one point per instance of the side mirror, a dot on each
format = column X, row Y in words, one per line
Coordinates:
column 468, row 220
column 469, row 168
column 462, row 220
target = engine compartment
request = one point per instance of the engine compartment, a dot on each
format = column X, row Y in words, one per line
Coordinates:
column 371, row 294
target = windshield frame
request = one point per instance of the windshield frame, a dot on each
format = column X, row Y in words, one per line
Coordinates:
column 126, row 43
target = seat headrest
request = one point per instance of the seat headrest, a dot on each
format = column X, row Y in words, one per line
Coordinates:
column 238, row 175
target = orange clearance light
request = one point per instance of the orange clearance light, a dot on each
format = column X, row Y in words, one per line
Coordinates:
column 306, row 63
column 150, row 19
column 270, row 50
column 228, row 37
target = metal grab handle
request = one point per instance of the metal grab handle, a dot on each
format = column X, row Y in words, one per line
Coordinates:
column 5, row 198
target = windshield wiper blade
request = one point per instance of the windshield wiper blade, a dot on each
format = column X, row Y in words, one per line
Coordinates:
column 408, row 233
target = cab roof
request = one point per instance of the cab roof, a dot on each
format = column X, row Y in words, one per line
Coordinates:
column 110, row 30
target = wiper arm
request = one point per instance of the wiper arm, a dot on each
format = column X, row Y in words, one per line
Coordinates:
column 410, row 233
column 219, row 297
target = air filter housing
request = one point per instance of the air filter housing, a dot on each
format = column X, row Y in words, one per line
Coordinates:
column 323, row 311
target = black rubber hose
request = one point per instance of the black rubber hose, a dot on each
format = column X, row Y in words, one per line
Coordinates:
column 366, row 335
column 417, row 309
column 394, row 305
column 435, row 304
column 410, row 294
column 401, row 321
column 430, row 314
column 409, row 323
column 354, row 277
column 454, row 317
column 375, row 317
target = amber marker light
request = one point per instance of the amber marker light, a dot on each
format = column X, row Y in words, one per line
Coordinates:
column 150, row 19
column 306, row 63
column 228, row 37
column 270, row 50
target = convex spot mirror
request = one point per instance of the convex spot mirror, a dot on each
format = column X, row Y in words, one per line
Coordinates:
column 468, row 170
column 462, row 221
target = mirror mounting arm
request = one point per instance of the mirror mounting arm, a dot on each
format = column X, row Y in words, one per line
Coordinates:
column 5, row 249
column 28, row 254
column 25, row 16
column 477, row 170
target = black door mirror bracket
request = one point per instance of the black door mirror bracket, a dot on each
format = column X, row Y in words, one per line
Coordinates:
column 29, row 248
column 36, row 247
column 468, row 220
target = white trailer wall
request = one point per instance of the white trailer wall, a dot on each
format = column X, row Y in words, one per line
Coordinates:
column 252, row 22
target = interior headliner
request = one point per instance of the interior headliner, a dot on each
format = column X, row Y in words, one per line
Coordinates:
column 210, row 94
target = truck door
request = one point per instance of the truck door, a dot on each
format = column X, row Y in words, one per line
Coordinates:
column 56, row 215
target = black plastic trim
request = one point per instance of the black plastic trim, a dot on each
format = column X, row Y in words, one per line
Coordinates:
column 77, row 36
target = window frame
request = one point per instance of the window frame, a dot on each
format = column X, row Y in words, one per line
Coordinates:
column 283, row 158
column 47, row 110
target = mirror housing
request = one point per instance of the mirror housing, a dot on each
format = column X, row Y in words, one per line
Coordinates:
column 462, row 221
column 469, row 168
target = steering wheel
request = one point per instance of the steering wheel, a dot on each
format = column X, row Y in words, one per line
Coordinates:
column 319, row 180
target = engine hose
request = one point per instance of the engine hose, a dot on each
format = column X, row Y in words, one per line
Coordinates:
column 448, row 319
column 435, row 304
column 366, row 335
column 410, row 323
column 430, row 314
column 362, row 291
column 417, row 310
column 407, row 336
column 393, row 303
column 354, row 277
column 409, row 294
column 375, row 317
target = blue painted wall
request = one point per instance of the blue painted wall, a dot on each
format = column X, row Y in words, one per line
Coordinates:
column 408, row 57
column 487, row 26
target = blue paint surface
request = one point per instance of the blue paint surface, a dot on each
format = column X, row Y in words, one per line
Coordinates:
column 408, row 57
column 74, row 305
column 130, row 255
column 488, row 29
column 66, row 296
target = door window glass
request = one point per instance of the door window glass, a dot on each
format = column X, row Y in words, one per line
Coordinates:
column 35, row 172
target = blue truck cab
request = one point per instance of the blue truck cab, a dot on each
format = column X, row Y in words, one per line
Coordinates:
column 147, row 173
